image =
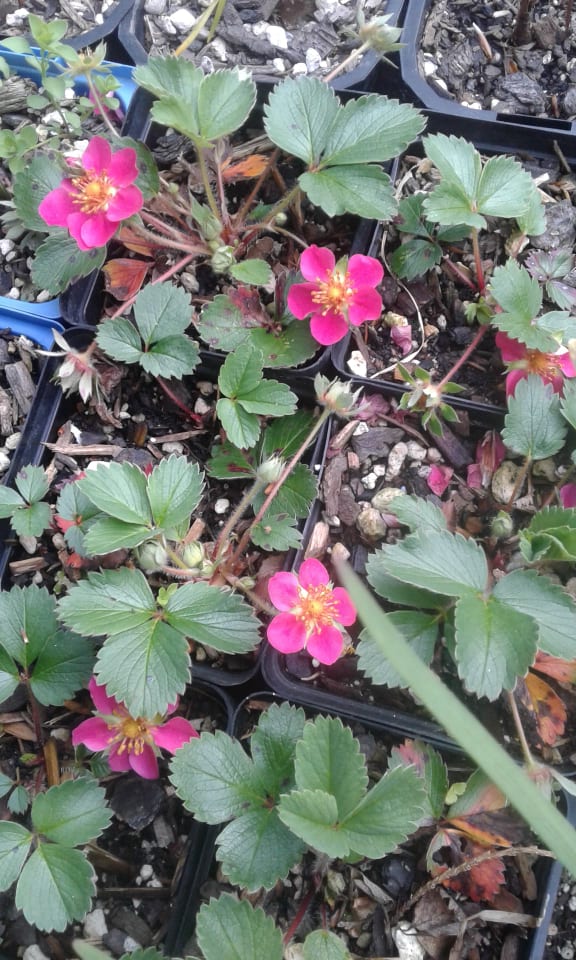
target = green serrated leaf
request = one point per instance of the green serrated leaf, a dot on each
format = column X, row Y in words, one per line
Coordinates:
column 371, row 129
column 231, row 929
column 534, row 425
column 421, row 632
column 15, row 843
column 10, row 502
column 327, row 747
column 415, row 257
column 32, row 483
column 58, row 262
column 118, row 490
column 228, row 462
column 365, row 191
column 6, row 784
column 269, row 398
column 148, row 180
column 324, row 945
column 18, row 801
column 551, row 535
column 257, row 272
column 241, row 372
column 285, row 435
column 72, row 813
column 107, row 603
column 242, row 428
column 31, row 521
column 417, row 513
column 568, row 402
column 276, row 532
column 214, row 777
column 107, row 534
column 31, row 186
column 28, row 620
column 147, row 667
column 174, row 490
column 438, row 561
column 273, row 745
column 495, row 644
column 295, row 495
column 257, row 850
column 225, row 99
column 214, row 616
column 430, row 766
column 64, row 664
column 548, row 604
column 299, row 116
column 395, row 591
column 55, row 887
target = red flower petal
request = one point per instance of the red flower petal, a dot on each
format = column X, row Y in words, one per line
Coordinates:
column 316, row 262
column 125, row 204
column 345, row 609
column 325, row 645
column 365, row 271
column 568, row 495
column 286, row 634
column 97, row 155
column 102, row 701
column 510, row 349
column 119, row 762
column 565, row 363
column 328, row 328
column 172, row 734
column 366, row 305
column 299, row 299
column 312, row 573
column 122, row 168
column 283, row 591
column 56, row 207
column 144, row 764
column 512, row 379
column 97, row 230
column 93, row 733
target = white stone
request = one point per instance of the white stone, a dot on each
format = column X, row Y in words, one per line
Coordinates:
column 155, row 7
column 429, row 67
column 277, row 36
column 369, row 481
column 12, row 441
column 43, row 296
column 409, row 947
column 29, row 544
column 182, row 20
column 17, row 18
column 205, row 387
column 13, row 293
column 379, row 469
column 313, row 60
column 6, row 245
column 279, row 65
column 201, row 407
column 218, row 48
column 4, row 461
column 357, row 364
column 95, row 926
column 33, row 952
column 299, row 70
column 396, row 459
column 361, row 428
column 10, row 256
column 147, row 871
column 130, row 945
column 415, row 451
column 259, row 28
column 173, row 446
column 69, row 93
column 504, row 481
column 222, row 505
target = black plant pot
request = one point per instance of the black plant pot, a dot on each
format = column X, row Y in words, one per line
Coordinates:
column 516, row 131
column 363, row 78
column 548, row 872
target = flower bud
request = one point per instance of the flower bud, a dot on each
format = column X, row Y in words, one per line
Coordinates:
column 337, row 395
column 222, row 259
column 193, row 554
column 151, row 557
column 379, row 35
column 502, row 525
column 270, row 470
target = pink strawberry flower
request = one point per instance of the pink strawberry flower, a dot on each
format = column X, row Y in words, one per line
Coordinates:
column 131, row 743
column 551, row 367
column 568, row 495
column 335, row 294
column 311, row 609
column 92, row 203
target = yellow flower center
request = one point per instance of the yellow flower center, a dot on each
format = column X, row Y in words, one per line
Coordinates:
column 94, row 192
column 132, row 735
column 541, row 363
column 317, row 607
column 335, row 293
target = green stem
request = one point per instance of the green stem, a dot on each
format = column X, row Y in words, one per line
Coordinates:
column 463, row 358
column 281, row 205
column 236, row 515
column 206, row 181
column 103, row 111
column 167, row 242
column 350, row 59
column 243, row 543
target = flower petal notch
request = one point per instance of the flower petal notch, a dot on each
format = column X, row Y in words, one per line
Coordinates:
column 311, row 613
column 97, row 198
column 335, row 295
column 130, row 743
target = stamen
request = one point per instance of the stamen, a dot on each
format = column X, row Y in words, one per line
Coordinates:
column 93, row 192
column 317, row 607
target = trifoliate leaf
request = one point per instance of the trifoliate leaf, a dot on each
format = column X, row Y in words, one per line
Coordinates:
column 299, row 117
column 214, row 616
column 214, row 777
column 257, row 850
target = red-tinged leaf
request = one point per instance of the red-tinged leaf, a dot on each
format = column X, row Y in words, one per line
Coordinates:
column 444, row 845
column 124, row 277
column 247, row 301
column 544, row 708
column 412, row 752
column 483, row 881
column 562, row 670
column 133, row 241
column 64, row 525
column 498, row 828
column 246, row 169
column 479, row 796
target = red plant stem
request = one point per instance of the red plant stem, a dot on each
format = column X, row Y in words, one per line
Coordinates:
column 160, row 225
column 167, row 242
column 461, row 276
column 462, row 360
column 179, row 403
column 165, row 276
column 301, row 912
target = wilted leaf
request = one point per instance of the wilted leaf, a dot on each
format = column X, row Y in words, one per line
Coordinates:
column 544, row 707
column 124, row 277
column 562, row 670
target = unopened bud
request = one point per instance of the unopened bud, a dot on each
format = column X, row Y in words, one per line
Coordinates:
column 502, row 525
column 337, row 395
column 193, row 554
column 222, row 259
column 270, row 470
column 151, row 557
column 379, row 35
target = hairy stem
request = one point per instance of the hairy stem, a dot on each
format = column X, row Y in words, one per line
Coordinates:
column 302, row 909
column 463, row 358
column 206, row 181
column 520, row 729
column 102, row 108
column 348, row 62
column 480, row 278
column 194, row 417
column 236, row 515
